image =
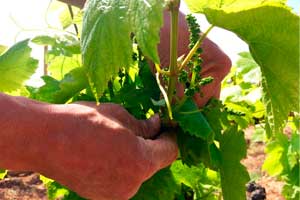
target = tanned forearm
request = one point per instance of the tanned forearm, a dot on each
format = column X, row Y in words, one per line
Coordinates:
column 23, row 127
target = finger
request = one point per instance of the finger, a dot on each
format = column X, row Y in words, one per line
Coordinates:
column 145, row 128
column 149, row 128
column 162, row 151
column 87, row 103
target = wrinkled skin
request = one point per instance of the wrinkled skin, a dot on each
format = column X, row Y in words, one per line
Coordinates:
column 107, row 156
column 100, row 152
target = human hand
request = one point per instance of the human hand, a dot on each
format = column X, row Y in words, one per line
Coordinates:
column 102, row 152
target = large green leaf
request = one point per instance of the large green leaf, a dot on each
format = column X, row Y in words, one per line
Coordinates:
column 200, row 6
column 272, row 33
column 106, row 36
column 16, row 66
column 234, row 175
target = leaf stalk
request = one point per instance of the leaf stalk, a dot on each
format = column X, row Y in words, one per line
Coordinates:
column 164, row 93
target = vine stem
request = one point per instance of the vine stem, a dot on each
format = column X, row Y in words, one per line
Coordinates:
column 174, row 9
column 194, row 49
column 72, row 17
column 159, row 70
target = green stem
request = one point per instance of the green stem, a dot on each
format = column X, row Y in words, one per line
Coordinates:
column 160, row 71
column 193, row 79
column 192, row 112
column 169, row 109
column 195, row 48
column 174, row 9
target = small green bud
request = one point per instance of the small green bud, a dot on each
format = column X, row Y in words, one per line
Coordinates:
column 190, row 92
column 206, row 80
column 183, row 76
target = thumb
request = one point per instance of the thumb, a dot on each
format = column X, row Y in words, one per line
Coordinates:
column 148, row 128
column 162, row 151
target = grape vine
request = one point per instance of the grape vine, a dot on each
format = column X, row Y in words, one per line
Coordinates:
column 210, row 139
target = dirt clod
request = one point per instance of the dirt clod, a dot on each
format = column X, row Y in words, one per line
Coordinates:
column 22, row 186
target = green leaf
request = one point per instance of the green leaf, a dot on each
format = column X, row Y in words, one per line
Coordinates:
column 135, row 92
column 216, row 116
column 234, row 175
column 147, row 19
column 276, row 161
column 291, row 192
column 162, row 186
column 61, row 10
column 201, row 6
column 2, row 173
column 248, row 70
column 45, row 92
column 245, row 63
column 72, row 83
column 55, row 91
column 202, row 180
column 60, row 65
column 2, row 49
column 106, row 36
column 44, row 40
column 272, row 33
column 57, row 191
column 193, row 122
column 295, row 143
column 16, row 66
column 194, row 151
column 64, row 45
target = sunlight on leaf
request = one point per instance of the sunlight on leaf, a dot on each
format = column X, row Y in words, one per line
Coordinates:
column 16, row 66
column 271, row 30
column 106, row 36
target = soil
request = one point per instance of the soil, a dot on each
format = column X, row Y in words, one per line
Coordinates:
column 19, row 185
column 28, row 186
column 253, row 162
